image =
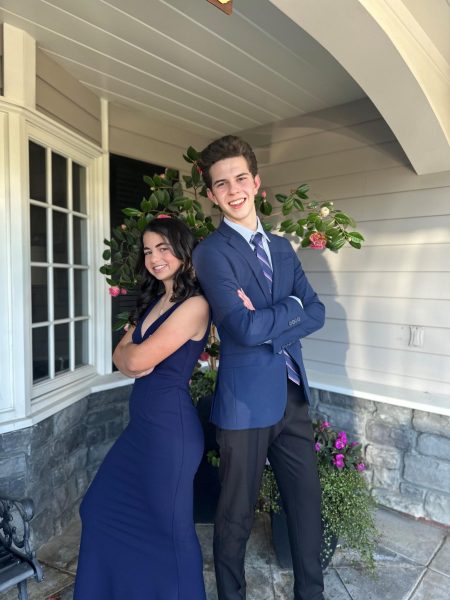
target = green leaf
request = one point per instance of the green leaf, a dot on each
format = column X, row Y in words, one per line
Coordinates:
column 344, row 219
column 131, row 212
column 192, row 153
column 145, row 205
column 266, row 208
column 355, row 244
column 355, row 236
column 148, row 180
column 106, row 255
column 281, row 197
column 107, row 242
column 196, row 177
column 302, row 190
column 188, row 181
column 298, row 204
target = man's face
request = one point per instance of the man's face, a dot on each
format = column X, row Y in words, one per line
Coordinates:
column 233, row 190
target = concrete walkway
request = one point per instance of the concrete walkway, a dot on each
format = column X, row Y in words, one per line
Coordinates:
column 413, row 563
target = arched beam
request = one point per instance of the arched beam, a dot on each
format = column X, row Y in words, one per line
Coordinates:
column 389, row 55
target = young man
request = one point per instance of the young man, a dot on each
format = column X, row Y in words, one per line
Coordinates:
column 262, row 305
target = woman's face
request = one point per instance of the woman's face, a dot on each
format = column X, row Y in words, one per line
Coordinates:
column 160, row 260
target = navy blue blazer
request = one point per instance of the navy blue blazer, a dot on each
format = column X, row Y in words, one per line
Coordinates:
column 251, row 388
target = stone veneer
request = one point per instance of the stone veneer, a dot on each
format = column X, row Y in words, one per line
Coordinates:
column 54, row 461
column 408, row 452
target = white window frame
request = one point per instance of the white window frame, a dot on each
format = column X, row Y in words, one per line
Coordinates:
column 21, row 403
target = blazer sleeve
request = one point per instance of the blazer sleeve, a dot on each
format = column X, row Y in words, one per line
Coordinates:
column 219, row 281
column 312, row 316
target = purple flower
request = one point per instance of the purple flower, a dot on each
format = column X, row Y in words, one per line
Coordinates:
column 338, row 461
column 353, row 444
column 361, row 466
column 339, row 444
column 317, row 447
column 343, row 437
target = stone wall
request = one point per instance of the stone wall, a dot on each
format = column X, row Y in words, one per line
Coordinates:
column 408, row 452
column 54, row 461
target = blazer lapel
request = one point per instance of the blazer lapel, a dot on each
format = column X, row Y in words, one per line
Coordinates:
column 243, row 248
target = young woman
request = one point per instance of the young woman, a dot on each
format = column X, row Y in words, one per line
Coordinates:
column 138, row 538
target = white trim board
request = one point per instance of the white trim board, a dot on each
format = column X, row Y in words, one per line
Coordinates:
column 377, row 392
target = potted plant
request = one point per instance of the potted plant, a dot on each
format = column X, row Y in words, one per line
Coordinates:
column 347, row 506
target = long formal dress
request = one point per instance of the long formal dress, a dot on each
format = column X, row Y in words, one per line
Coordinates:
column 138, row 537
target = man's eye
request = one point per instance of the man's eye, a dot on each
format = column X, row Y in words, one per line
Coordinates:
column 147, row 253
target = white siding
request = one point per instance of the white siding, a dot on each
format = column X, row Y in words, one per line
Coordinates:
column 135, row 135
column 400, row 278
column 61, row 97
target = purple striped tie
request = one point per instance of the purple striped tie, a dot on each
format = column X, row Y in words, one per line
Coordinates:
column 256, row 240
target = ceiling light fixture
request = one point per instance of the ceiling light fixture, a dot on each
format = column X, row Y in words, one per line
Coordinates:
column 225, row 5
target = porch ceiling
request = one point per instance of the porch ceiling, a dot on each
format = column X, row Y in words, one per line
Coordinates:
column 186, row 62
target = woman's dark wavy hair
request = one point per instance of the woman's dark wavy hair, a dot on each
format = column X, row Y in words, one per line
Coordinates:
column 228, row 146
column 185, row 283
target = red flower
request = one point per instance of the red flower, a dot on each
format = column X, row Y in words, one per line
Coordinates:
column 163, row 216
column 123, row 291
column 204, row 356
column 318, row 240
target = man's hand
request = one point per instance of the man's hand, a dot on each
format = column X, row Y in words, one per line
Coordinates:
column 245, row 299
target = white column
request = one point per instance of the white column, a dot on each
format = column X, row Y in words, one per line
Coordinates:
column 19, row 62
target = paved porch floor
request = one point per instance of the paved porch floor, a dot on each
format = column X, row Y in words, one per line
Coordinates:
column 413, row 563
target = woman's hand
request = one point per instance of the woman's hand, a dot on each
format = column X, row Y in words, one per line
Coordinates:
column 245, row 299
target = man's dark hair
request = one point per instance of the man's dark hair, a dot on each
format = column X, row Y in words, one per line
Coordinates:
column 228, row 146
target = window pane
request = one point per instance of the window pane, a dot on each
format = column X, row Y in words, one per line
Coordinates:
column 60, row 237
column 59, row 180
column 80, row 291
column 61, row 293
column 39, row 294
column 81, row 343
column 38, row 233
column 37, row 172
column 61, row 347
column 40, row 353
column 78, row 188
column 79, row 241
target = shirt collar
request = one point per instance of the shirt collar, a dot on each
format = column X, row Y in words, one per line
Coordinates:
column 246, row 233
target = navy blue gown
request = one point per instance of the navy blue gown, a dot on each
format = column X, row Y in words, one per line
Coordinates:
column 138, row 538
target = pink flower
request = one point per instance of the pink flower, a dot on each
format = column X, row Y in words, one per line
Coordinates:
column 317, row 240
column 317, row 447
column 204, row 356
column 325, row 425
column 353, row 444
column 361, row 467
column 123, row 227
column 263, row 194
column 163, row 216
column 123, row 291
column 199, row 171
column 114, row 291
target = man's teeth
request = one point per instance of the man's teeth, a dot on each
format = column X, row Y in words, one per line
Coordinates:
column 237, row 202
